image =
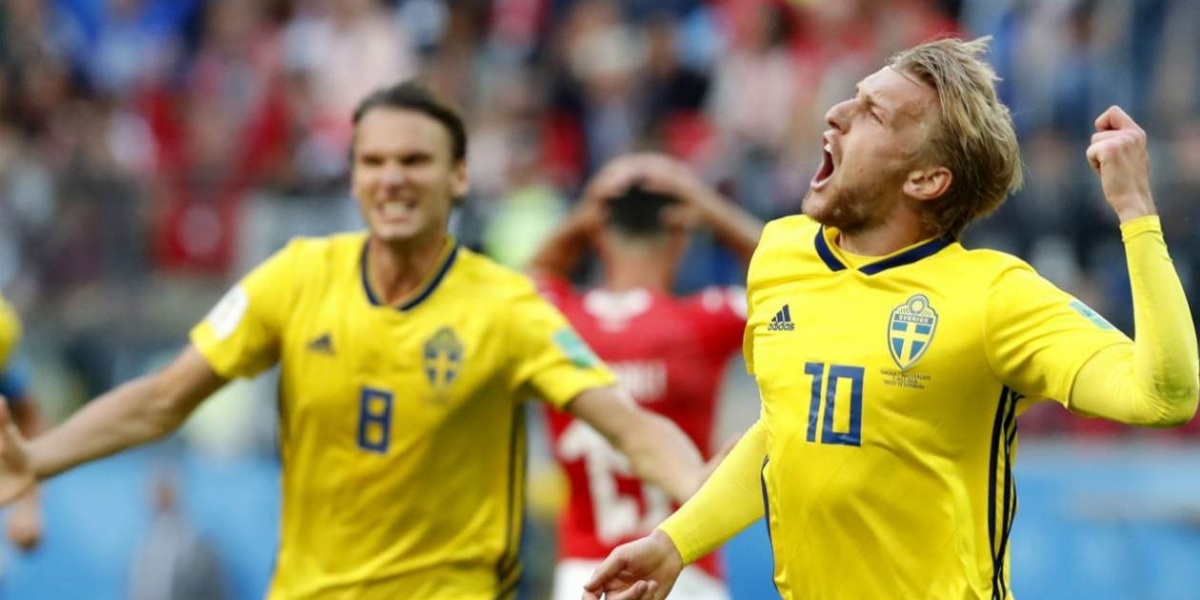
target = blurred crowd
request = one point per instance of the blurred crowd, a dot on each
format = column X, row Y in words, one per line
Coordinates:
column 139, row 137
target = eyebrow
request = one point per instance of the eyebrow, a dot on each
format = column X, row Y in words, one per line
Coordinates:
column 871, row 101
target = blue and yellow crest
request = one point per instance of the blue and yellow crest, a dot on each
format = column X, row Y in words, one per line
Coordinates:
column 910, row 330
column 443, row 358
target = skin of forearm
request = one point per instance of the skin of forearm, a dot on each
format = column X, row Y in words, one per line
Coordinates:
column 28, row 417
column 661, row 453
column 134, row 413
column 562, row 252
column 733, row 227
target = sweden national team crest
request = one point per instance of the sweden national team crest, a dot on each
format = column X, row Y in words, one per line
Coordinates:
column 910, row 330
column 443, row 355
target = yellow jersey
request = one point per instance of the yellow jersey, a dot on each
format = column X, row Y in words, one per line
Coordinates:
column 13, row 378
column 10, row 332
column 890, row 390
column 401, row 429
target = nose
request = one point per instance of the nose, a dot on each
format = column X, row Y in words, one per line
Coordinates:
column 394, row 175
column 838, row 115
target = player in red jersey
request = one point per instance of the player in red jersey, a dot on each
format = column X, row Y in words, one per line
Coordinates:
column 669, row 352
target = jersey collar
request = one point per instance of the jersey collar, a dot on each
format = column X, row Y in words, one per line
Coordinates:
column 445, row 261
column 906, row 256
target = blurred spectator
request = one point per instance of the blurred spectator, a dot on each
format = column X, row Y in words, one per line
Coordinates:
column 673, row 94
column 139, row 137
column 755, row 102
column 217, row 136
column 347, row 48
column 173, row 562
column 132, row 42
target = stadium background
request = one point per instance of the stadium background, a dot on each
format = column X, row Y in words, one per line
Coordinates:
column 151, row 151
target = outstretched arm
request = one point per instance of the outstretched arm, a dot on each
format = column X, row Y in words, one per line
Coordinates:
column 657, row 449
column 134, row 413
column 1156, row 382
column 728, row 502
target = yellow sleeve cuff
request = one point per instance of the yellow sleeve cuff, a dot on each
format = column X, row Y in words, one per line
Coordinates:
column 1146, row 224
column 727, row 503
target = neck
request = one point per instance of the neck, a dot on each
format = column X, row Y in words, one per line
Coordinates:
column 395, row 271
column 900, row 230
column 629, row 273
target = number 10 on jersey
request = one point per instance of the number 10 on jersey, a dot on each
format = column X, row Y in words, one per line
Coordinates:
column 826, row 378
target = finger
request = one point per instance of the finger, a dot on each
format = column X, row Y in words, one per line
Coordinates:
column 637, row 591
column 679, row 217
column 1114, row 118
column 1101, row 136
column 1093, row 156
column 652, row 590
column 604, row 573
column 6, row 423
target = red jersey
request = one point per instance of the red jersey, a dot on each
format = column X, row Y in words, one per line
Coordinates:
column 669, row 353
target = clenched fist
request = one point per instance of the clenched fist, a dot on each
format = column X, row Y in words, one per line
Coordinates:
column 1118, row 154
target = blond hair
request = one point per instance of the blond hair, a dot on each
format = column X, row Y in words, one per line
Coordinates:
column 975, row 138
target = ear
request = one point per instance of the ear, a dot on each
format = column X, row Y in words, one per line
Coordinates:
column 460, row 184
column 928, row 184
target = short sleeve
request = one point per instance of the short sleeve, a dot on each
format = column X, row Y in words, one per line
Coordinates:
column 14, row 373
column 551, row 360
column 14, row 378
column 1038, row 337
column 10, row 332
column 241, row 336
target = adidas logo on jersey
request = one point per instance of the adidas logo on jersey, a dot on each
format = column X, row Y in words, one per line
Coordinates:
column 322, row 344
column 782, row 321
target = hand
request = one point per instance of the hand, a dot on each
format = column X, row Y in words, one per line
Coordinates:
column 16, row 474
column 1118, row 154
column 645, row 569
column 25, row 525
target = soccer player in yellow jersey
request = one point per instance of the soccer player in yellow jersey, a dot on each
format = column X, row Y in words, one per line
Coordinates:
column 892, row 362
column 25, row 519
column 405, row 360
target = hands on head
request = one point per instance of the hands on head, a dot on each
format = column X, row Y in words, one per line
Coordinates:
column 644, row 569
column 655, row 172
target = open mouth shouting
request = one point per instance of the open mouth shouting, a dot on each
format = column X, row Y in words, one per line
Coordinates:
column 828, row 165
column 396, row 210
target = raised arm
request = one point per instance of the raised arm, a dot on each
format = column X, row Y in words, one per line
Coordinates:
column 563, row 250
column 137, row 412
column 1156, row 381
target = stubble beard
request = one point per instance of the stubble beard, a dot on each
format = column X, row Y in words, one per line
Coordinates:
column 850, row 210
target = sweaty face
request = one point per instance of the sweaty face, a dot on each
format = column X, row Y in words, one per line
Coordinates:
column 404, row 175
column 872, row 143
